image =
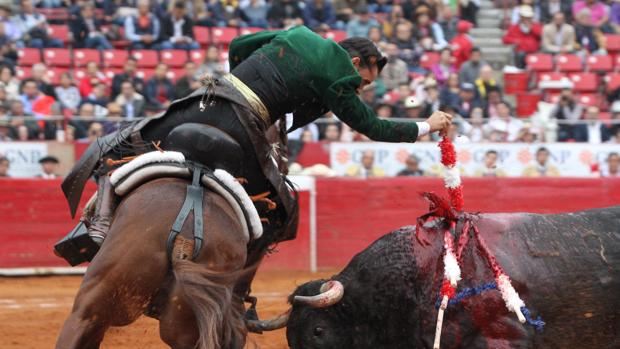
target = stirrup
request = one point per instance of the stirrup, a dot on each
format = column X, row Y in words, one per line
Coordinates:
column 77, row 247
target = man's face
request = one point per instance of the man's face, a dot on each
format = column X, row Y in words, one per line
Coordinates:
column 143, row 8
column 614, row 163
column 178, row 12
column 503, row 111
column 475, row 56
column 190, row 69
column 4, row 167
column 592, row 113
column 161, row 71
column 127, row 90
column 403, row 33
column 17, row 108
column 27, row 6
column 413, row 113
column 130, row 66
column 30, row 89
column 412, row 164
column 87, row 12
column 558, row 18
column 49, row 167
column 467, row 95
column 114, row 109
column 368, row 159
column 542, row 157
column 490, row 160
column 87, row 110
column 368, row 74
column 92, row 68
column 332, row 133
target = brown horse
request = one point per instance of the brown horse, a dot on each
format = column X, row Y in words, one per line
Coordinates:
column 132, row 274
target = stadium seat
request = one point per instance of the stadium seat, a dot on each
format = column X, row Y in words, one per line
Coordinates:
column 551, row 76
column 23, row 72
column 115, row 58
column 250, row 30
column 202, row 35
column 336, row 35
column 145, row 74
column 57, row 57
column 54, row 75
column 175, row 74
column 223, row 35
column 613, row 81
column 146, row 58
column 79, row 74
column 81, row 57
column 197, row 56
column 600, row 63
column 110, row 72
column 173, row 58
column 612, row 42
column 590, row 99
column 584, row 82
column 59, row 31
column 540, row 62
column 28, row 56
column 428, row 59
column 568, row 63
column 527, row 104
column 516, row 82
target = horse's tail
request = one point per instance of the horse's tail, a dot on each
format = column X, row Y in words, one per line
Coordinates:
column 219, row 317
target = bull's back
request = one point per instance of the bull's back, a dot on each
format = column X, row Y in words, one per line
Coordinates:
column 566, row 268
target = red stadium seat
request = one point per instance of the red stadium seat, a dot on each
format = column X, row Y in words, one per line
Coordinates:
column 197, row 56
column 223, row 35
column 613, row 81
column 584, row 82
column 551, row 76
column 202, row 35
column 600, row 63
column 527, row 104
column 336, row 35
column 612, row 43
column 429, row 59
column 569, row 63
column 60, row 31
column 145, row 74
column 115, row 58
column 54, row 75
column 590, row 99
column 250, row 30
column 173, row 58
column 175, row 74
column 146, row 58
column 540, row 62
column 81, row 57
column 23, row 72
column 28, row 56
column 110, row 72
column 57, row 57
column 79, row 74
column 516, row 82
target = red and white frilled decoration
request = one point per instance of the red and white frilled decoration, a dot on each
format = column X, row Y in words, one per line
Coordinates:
column 452, row 270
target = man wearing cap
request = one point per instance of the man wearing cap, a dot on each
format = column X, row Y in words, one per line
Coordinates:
column 468, row 100
column 49, row 166
column 525, row 35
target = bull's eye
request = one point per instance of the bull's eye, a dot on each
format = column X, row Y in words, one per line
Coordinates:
column 318, row 331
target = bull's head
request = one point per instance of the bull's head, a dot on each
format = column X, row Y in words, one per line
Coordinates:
column 312, row 321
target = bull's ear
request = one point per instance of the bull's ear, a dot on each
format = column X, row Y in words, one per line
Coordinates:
column 310, row 288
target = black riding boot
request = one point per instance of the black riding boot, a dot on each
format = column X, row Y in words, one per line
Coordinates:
column 100, row 223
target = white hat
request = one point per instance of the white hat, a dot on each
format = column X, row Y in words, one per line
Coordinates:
column 526, row 11
column 411, row 102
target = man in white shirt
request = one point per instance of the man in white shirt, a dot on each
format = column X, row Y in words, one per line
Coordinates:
column 613, row 166
column 49, row 166
column 505, row 123
column 593, row 131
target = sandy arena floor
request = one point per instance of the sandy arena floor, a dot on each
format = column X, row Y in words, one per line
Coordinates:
column 33, row 309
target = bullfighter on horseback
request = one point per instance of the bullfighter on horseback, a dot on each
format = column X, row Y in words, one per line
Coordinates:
column 272, row 73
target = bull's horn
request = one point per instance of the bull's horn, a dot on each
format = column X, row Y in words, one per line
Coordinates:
column 258, row 326
column 331, row 293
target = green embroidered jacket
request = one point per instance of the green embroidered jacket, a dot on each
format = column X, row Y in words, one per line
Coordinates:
column 321, row 74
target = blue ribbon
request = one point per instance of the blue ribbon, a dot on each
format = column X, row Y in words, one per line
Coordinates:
column 538, row 323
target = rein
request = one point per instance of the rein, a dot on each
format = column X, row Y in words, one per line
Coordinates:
column 451, row 211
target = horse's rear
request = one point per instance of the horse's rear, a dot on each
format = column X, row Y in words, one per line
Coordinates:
column 132, row 273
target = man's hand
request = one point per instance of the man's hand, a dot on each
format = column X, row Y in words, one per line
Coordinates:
column 439, row 121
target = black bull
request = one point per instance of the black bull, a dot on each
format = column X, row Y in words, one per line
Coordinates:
column 565, row 267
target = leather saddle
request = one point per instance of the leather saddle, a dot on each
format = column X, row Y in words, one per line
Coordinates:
column 206, row 145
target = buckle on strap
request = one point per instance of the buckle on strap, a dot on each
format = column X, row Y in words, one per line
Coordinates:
column 193, row 202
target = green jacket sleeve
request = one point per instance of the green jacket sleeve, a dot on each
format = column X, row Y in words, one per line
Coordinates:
column 342, row 99
column 243, row 46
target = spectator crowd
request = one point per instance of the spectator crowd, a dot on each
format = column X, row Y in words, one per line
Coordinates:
column 432, row 63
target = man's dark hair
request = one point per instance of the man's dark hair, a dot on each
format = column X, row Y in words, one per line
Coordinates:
column 542, row 149
column 476, row 49
column 612, row 154
column 365, row 50
column 491, row 152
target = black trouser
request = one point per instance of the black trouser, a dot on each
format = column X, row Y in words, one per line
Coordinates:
column 221, row 116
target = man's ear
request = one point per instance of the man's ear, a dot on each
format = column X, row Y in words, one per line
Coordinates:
column 356, row 62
